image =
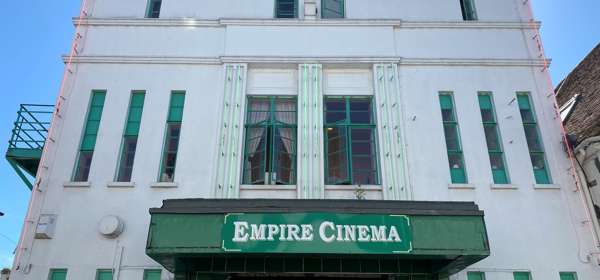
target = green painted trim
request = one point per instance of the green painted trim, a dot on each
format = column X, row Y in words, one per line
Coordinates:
column 104, row 274
column 57, row 274
column 96, row 106
column 152, row 274
column 486, row 101
column 13, row 163
column 457, row 175
column 568, row 275
column 521, row 275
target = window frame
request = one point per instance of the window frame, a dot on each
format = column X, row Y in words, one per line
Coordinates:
column 296, row 10
column 464, row 179
column 518, row 274
column 479, row 274
column 128, row 135
column 466, row 14
column 505, row 180
column 343, row 16
column 148, row 271
column 347, row 126
column 57, row 270
column 271, row 124
column 83, row 149
column 149, row 9
column 178, row 121
column 572, row 274
column 533, row 123
column 104, row 270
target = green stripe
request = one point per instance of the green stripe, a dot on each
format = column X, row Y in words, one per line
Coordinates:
column 176, row 106
column 136, row 108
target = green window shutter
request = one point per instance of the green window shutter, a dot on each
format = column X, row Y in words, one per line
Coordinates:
column 534, row 140
column 468, row 9
column 57, row 274
column 152, row 274
column 522, row 275
column 472, row 275
column 568, row 276
column 153, row 10
column 332, row 8
column 458, row 173
column 93, row 121
column 134, row 119
column 176, row 106
column 104, row 274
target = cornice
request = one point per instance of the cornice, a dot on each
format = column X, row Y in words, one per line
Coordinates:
column 465, row 62
column 191, row 22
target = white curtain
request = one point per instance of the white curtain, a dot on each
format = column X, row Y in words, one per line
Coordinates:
column 257, row 134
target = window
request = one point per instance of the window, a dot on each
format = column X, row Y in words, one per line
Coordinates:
column 130, row 137
column 568, row 275
column 493, row 139
column 169, row 159
column 57, row 274
column 522, row 275
column 350, row 141
column 104, row 274
column 270, row 147
column 473, row 275
column 458, row 173
column 332, row 8
column 153, row 10
column 90, row 134
column 534, row 142
column 286, row 8
column 152, row 274
column 468, row 9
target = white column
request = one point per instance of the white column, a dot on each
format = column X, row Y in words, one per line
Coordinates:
column 391, row 140
column 227, row 177
column 310, row 132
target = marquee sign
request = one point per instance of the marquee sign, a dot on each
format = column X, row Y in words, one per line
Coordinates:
column 317, row 233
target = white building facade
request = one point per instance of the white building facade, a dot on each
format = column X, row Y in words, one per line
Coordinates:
column 355, row 100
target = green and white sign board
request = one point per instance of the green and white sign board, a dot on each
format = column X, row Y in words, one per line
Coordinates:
column 317, row 233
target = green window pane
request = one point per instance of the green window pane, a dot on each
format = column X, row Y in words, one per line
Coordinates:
column 270, row 141
column 104, row 274
column 332, row 8
column 458, row 173
column 134, row 117
column 568, row 276
column 89, row 137
column 286, row 8
column 153, row 10
column 492, row 137
column 475, row 275
column 152, row 274
column 468, row 10
column 57, row 274
column 176, row 107
column 534, row 141
column 170, row 150
column 457, row 168
column 524, row 103
column 338, row 164
column 522, row 276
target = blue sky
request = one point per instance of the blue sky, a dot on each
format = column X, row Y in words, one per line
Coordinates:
column 36, row 34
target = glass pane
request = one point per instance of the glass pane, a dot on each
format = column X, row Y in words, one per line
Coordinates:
column 127, row 159
column 258, row 110
column 527, row 116
column 361, row 177
column 284, row 156
column 498, row 169
column 335, row 110
column 568, row 276
column 538, row 161
column 337, row 156
column 452, row 137
column 104, row 275
column 152, row 274
column 170, row 153
column 475, row 276
column 448, row 115
column 332, row 9
column 457, row 169
column 58, row 274
column 522, row 276
column 361, row 111
column 255, row 153
column 83, row 166
column 532, row 136
column 364, row 159
column 492, row 139
column 487, row 115
column 285, row 111
column 286, row 9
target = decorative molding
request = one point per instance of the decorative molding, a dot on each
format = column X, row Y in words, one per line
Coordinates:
column 231, row 134
column 101, row 59
column 192, row 22
column 310, row 132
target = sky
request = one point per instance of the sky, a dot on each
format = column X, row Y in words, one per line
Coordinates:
column 36, row 34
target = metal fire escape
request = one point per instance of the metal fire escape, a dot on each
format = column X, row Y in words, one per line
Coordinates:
column 29, row 135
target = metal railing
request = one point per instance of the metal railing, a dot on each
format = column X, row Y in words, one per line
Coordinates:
column 31, row 127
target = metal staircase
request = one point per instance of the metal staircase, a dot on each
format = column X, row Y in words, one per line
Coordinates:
column 29, row 135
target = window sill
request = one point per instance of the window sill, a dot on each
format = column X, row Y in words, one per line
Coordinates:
column 164, row 185
column 75, row 185
column 546, row 187
column 121, row 185
column 461, row 186
column 268, row 187
column 503, row 187
column 352, row 188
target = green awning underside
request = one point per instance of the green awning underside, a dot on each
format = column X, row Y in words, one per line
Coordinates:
column 193, row 238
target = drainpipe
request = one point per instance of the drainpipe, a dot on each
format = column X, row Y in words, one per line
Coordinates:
column 580, row 152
